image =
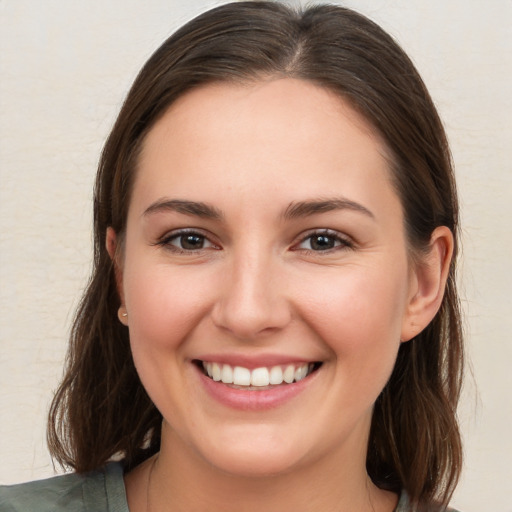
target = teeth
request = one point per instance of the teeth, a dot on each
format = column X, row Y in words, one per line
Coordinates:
column 227, row 374
column 289, row 374
column 241, row 376
column 216, row 372
column 300, row 372
column 259, row 377
column 276, row 375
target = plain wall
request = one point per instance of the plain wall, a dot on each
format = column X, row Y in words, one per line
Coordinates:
column 64, row 70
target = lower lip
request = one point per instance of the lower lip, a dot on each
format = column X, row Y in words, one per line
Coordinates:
column 254, row 400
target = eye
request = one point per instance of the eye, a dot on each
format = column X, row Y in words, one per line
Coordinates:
column 323, row 241
column 186, row 241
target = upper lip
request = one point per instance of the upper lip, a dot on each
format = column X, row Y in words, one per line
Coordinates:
column 254, row 361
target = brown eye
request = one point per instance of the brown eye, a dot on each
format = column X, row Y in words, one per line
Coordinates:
column 186, row 241
column 324, row 241
column 191, row 241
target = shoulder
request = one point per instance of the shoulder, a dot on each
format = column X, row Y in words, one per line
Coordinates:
column 97, row 491
column 404, row 505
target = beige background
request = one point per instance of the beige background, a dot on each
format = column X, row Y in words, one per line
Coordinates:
column 65, row 67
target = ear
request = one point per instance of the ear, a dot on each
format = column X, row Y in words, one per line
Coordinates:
column 428, row 283
column 112, row 245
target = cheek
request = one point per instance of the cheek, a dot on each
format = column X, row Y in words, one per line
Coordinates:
column 163, row 304
column 359, row 315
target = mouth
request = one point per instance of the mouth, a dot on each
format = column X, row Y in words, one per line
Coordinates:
column 257, row 379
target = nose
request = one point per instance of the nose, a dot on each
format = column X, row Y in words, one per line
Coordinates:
column 252, row 300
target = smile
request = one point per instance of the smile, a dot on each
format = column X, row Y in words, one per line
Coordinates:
column 258, row 378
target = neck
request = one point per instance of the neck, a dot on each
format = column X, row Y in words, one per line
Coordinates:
column 179, row 480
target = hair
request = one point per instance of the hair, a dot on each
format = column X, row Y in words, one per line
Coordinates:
column 101, row 411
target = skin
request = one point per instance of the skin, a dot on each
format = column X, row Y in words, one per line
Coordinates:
column 258, row 286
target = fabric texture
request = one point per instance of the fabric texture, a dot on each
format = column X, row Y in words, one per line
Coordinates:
column 98, row 491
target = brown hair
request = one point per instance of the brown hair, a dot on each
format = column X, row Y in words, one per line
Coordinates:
column 101, row 410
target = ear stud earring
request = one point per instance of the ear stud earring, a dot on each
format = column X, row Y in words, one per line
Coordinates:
column 122, row 314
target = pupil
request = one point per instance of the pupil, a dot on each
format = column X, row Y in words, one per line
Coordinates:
column 322, row 243
column 191, row 242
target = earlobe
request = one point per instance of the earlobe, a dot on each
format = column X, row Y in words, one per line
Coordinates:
column 122, row 314
column 430, row 276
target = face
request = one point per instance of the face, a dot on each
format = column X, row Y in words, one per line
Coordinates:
column 266, row 276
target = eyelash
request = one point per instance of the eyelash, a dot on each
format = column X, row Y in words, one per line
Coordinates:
column 340, row 242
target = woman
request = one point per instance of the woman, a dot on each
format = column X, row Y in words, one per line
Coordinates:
column 272, row 319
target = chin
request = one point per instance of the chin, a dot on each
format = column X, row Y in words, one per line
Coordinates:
column 252, row 458
column 254, row 465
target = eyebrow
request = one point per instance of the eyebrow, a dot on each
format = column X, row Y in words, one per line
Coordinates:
column 293, row 211
column 305, row 208
column 195, row 208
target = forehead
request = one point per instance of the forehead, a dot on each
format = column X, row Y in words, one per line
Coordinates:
column 287, row 135
column 306, row 109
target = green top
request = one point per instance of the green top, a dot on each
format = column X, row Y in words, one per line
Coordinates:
column 98, row 491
